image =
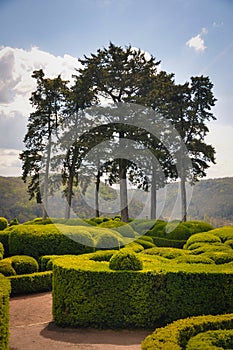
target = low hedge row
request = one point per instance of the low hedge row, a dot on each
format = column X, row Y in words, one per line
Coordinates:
column 31, row 283
column 176, row 335
column 218, row 339
column 4, row 312
column 89, row 294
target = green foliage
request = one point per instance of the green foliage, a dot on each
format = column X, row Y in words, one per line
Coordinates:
column 1, row 251
column 31, row 283
column 202, row 237
column 39, row 240
column 87, row 292
column 23, row 264
column 209, row 247
column 177, row 232
column 4, row 312
column 3, row 223
column 210, row 340
column 124, row 229
column 145, row 242
column 176, row 335
column 225, row 233
column 168, row 253
column 219, row 257
column 194, row 259
column 4, row 239
column 103, row 255
column 143, row 226
column 196, row 226
column 133, row 246
column 125, row 261
column 165, row 242
column 109, row 240
column 6, row 268
column 14, row 222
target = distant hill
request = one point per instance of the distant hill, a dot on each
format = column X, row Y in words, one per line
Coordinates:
column 212, row 200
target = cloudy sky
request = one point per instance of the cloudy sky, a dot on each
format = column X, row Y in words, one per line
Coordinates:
column 190, row 37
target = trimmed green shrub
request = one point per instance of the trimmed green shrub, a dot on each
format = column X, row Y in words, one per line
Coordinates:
column 122, row 228
column 196, row 226
column 6, row 268
column 176, row 335
column 219, row 257
column 3, row 223
column 164, row 242
column 168, row 253
column 109, row 240
column 176, row 232
column 14, row 222
column 145, row 243
column 1, row 251
column 31, row 283
column 4, row 312
column 225, row 233
column 218, row 339
column 202, row 237
column 86, row 293
column 4, row 239
column 125, row 261
column 208, row 247
column 193, row 259
column 142, row 226
column 23, row 264
column 103, row 255
column 229, row 243
column 133, row 246
column 39, row 240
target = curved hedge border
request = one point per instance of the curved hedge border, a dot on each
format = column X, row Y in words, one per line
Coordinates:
column 4, row 312
column 31, row 283
column 217, row 339
column 176, row 335
column 88, row 294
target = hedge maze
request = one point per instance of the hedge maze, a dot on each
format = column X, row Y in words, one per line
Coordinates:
column 107, row 274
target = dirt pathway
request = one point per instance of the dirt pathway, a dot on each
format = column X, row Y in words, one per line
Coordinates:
column 31, row 328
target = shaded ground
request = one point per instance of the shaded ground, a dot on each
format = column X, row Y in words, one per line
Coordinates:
column 31, row 328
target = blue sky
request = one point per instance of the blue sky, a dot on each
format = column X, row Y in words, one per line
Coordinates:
column 190, row 37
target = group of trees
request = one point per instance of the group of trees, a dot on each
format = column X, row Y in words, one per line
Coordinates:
column 98, row 108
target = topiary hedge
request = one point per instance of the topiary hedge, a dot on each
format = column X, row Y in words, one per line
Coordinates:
column 203, row 238
column 4, row 312
column 31, row 283
column 23, row 264
column 3, row 223
column 39, row 240
column 176, row 335
column 88, row 293
column 6, row 268
column 125, row 260
column 4, row 239
column 218, row 339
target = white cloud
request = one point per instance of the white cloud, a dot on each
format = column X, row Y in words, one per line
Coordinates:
column 16, row 67
column 10, row 165
column 197, row 42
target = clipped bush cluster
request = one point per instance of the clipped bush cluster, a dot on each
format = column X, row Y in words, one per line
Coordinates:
column 6, row 268
column 179, row 334
column 87, row 291
column 125, row 260
column 218, row 339
column 23, row 264
column 3, row 223
column 31, row 283
column 4, row 312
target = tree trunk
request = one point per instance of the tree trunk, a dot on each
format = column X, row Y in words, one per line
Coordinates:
column 97, row 211
column 123, row 185
column 46, row 178
column 183, row 199
column 69, row 195
column 153, row 194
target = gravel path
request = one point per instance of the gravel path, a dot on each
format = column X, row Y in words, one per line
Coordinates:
column 31, row 328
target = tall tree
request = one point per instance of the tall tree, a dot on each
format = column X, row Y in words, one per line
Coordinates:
column 118, row 75
column 190, row 110
column 48, row 100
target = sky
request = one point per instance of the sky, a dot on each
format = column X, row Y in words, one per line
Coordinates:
column 190, row 37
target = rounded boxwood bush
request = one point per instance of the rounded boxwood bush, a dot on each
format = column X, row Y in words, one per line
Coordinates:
column 125, row 260
column 219, row 257
column 202, row 237
column 193, row 259
column 108, row 240
column 208, row 247
column 180, row 231
column 6, row 269
column 210, row 340
column 124, row 229
column 103, row 255
column 23, row 264
column 196, row 226
column 3, row 223
column 166, row 252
